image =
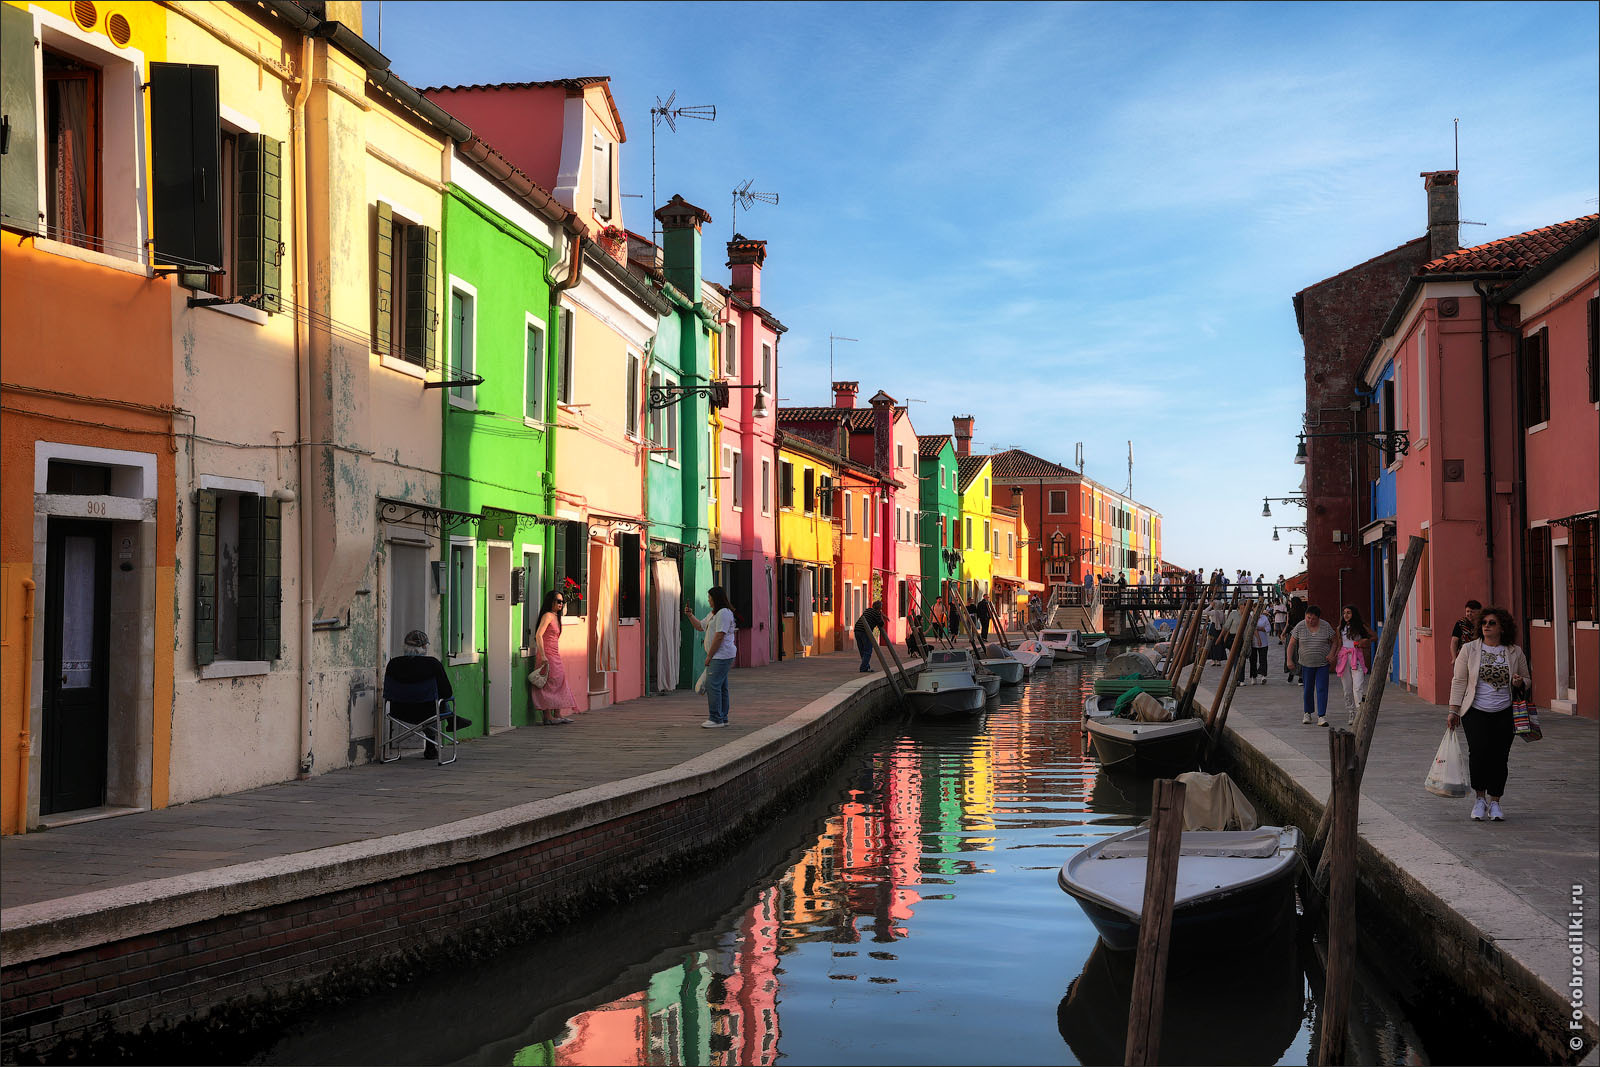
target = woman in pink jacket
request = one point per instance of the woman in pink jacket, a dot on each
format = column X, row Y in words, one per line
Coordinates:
column 1480, row 702
column 1355, row 642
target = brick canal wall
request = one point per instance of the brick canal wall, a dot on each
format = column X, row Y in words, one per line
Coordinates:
column 226, row 951
column 1435, row 947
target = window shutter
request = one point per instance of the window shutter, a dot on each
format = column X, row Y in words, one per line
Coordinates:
column 271, row 578
column 19, row 167
column 383, row 281
column 205, row 577
column 186, row 162
column 580, row 535
column 1544, row 374
column 422, row 297
column 260, row 229
column 559, row 555
column 249, row 591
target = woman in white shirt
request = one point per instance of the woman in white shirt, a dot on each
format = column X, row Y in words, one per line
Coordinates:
column 1355, row 643
column 1480, row 702
column 721, row 630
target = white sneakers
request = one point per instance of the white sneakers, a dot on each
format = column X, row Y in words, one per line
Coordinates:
column 709, row 725
column 1480, row 809
column 1305, row 720
column 1495, row 814
column 1322, row 720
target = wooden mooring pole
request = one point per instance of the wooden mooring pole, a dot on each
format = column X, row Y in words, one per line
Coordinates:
column 1344, row 802
column 1155, row 924
column 1219, row 718
column 1234, row 650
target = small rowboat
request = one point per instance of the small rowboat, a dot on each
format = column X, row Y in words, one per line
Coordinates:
column 1234, row 886
column 940, row 694
column 1158, row 749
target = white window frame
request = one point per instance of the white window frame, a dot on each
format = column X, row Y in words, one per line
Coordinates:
column 736, row 477
column 566, row 357
column 966, row 528
column 454, row 367
column 534, row 322
column 1422, row 384
column 634, row 364
column 470, row 629
column 766, row 486
column 730, row 349
column 849, row 515
column 899, row 454
column 532, row 596
column 224, row 666
column 601, row 170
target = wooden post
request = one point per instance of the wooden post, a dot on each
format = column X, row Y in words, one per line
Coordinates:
column 1186, row 644
column 1155, row 924
column 1367, row 713
column 1343, row 800
column 1220, row 718
column 1178, row 629
column 1227, row 669
column 894, row 680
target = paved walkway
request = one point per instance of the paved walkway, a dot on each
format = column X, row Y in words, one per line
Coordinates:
column 1549, row 841
column 377, row 800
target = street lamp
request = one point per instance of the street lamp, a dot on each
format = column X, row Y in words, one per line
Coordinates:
column 1266, row 505
column 1275, row 529
column 1396, row 441
column 664, row 396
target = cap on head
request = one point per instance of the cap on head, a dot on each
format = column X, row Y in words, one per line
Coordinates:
column 416, row 639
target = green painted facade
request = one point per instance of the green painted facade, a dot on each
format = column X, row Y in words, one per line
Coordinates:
column 498, row 460
column 937, row 499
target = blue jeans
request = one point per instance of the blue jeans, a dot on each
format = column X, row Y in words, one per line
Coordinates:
column 1315, row 680
column 717, row 689
column 864, row 646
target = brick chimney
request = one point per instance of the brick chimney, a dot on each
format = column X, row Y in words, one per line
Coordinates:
column 1444, row 211
column 882, row 431
column 680, row 239
column 963, row 425
column 844, row 394
column 746, row 258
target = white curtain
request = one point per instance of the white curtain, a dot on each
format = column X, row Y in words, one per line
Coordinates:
column 804, row 610
column 668, row 626
column 604, row 605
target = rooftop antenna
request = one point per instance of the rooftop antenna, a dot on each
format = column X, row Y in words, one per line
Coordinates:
column 669, row 111
column 1077, row 457
column 832, row 337
column 1457, row 124
column 743, row 195
column 1129, row 493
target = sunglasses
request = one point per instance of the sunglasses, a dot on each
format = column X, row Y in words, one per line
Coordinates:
column 1491, row 622
column 559, row 600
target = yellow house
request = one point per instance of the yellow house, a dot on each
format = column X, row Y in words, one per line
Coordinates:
column 974, row 484
column 808, row 551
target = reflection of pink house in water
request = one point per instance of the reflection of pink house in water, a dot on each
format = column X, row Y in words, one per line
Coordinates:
column 616, row 1033
column 748, row 541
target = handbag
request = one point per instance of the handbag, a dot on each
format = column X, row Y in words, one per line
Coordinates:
column 539, row 677
column 1524, row 716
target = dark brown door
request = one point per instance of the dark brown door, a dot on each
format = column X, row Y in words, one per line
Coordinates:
column 77, row 603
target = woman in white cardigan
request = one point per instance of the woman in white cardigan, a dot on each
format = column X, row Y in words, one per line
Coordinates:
column 1480, row 702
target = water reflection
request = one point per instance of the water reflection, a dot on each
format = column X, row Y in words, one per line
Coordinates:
column 907, row 913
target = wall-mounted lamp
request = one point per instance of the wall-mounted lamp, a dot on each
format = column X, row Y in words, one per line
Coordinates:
column 1297, row 529
column 664, row 396
column 1396, row 441
column 1266, row 503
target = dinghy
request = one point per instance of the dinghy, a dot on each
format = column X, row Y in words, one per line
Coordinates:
column 1158, row 749
column 944, row 693
column 1234, row 886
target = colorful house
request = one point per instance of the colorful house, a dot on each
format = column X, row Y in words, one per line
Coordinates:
column 91, row 438
column 747, row 543
column 1009, row 589
column 1050, row 502
column 975, row 483
column 809, row 546
column 1520, row 311
column 939, row 510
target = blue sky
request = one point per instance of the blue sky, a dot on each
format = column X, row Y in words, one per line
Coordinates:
column 1078, row 223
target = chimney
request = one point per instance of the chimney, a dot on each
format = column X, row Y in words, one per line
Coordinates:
column 882, row 431
column 746, row 258
column 680, row 239
column 963, row 425
column 1444, row 211
column 844, row 394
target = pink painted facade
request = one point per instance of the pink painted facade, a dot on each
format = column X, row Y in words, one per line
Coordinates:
column 1504, row 493
column 748, row 458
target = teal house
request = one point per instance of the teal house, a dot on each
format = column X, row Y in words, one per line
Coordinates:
column 504, row 253
column 940, row 506
column 679, row 472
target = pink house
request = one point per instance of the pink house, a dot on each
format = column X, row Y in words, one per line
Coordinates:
column 1487, row 362
column 748, row 542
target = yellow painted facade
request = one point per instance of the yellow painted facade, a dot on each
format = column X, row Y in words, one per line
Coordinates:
column 806, row 536
column 977, row 530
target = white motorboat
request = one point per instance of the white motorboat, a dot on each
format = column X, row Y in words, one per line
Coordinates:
column 1029, row 659
column 999, row 661
column 1066, row 644
column 944, row 693
column 961, row 659
column 1234, row 886
column 1046, row 654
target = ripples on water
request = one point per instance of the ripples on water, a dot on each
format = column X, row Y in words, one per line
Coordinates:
column 906, row 912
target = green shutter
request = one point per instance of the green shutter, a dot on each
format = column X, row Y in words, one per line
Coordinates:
column 186, row 164
column 271, row 578
column 383, row 281
column 558, row 552
column 205, row 577
column 247, row 596
column 19, row 167
column 422, row 296
column 580, row 532
column 260, row 225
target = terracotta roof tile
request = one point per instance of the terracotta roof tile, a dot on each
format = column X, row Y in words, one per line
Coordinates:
column 1522, row 251
column 1016, row 463
column 930, row 445
column 969, row 466
column 858, row 419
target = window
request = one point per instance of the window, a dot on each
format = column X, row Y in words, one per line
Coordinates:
column 1425, row 582
column 1058, row 502
column 1535, row 370
column 941, row 476
column 628, row 565
column 1541, row 598
column 786, row 485
column 572, row 563
column 405, row 301
column 967, row 538
column 944, row 533
column 1422, row 383
column 533, row 357
column 899, row 455
column 866, row 516
column 825, row 496
column 1011, row 546
column 810, row 479
column 654, row 417
column 986, row 491
column 905, row 599
column 825, row 590
column 730, row 350
column 238, row 577
column 631, row 419
column 737, row 475
column 766, row 368
column 251, row 201
column 791, row 587
column 531, row 592
column 72, row 107
column 463, row 342
column 766, row 487
column 988, row 545
column 601, row 176
column 1581, row 588
column 564, row 365
column 463, row 572
column 876, row 519
column 1594, row 350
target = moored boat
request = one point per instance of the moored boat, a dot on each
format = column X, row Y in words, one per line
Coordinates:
column 961, row 659
column 1154, row 748
column 946, row 692
column 1047, row 655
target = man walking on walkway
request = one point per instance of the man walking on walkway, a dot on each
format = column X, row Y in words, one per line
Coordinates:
column 871, row 619
column 1465, row 629
column 1310, row 642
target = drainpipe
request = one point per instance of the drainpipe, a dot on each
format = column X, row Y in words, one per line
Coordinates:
column 25, row 738
column 1488, row 468
column 302, row 364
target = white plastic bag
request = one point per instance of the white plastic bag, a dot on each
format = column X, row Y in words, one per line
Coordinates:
column 1448, row 775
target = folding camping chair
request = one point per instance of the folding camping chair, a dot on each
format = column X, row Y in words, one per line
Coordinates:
column 435, row 729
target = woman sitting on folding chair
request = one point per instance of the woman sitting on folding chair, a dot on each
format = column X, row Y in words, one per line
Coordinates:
column 417, row 668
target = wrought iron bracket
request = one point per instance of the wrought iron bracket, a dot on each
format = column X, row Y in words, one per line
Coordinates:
column 475, row 380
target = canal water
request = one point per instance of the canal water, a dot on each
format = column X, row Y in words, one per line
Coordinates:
column 905, row 912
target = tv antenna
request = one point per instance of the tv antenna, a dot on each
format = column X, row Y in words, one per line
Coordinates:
column 670, row 111
column 743, row 195
column 1129, row 493
column 832, row 337
column 1077, row 457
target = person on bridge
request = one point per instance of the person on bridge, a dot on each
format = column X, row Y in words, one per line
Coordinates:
column 1310, row 644
column 1488, row 672
column 871, row 619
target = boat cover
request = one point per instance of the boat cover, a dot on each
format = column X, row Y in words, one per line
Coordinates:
column 1214, row 802
column 1147, row 708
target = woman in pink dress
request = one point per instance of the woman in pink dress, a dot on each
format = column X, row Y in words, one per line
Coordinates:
column 554, row 696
